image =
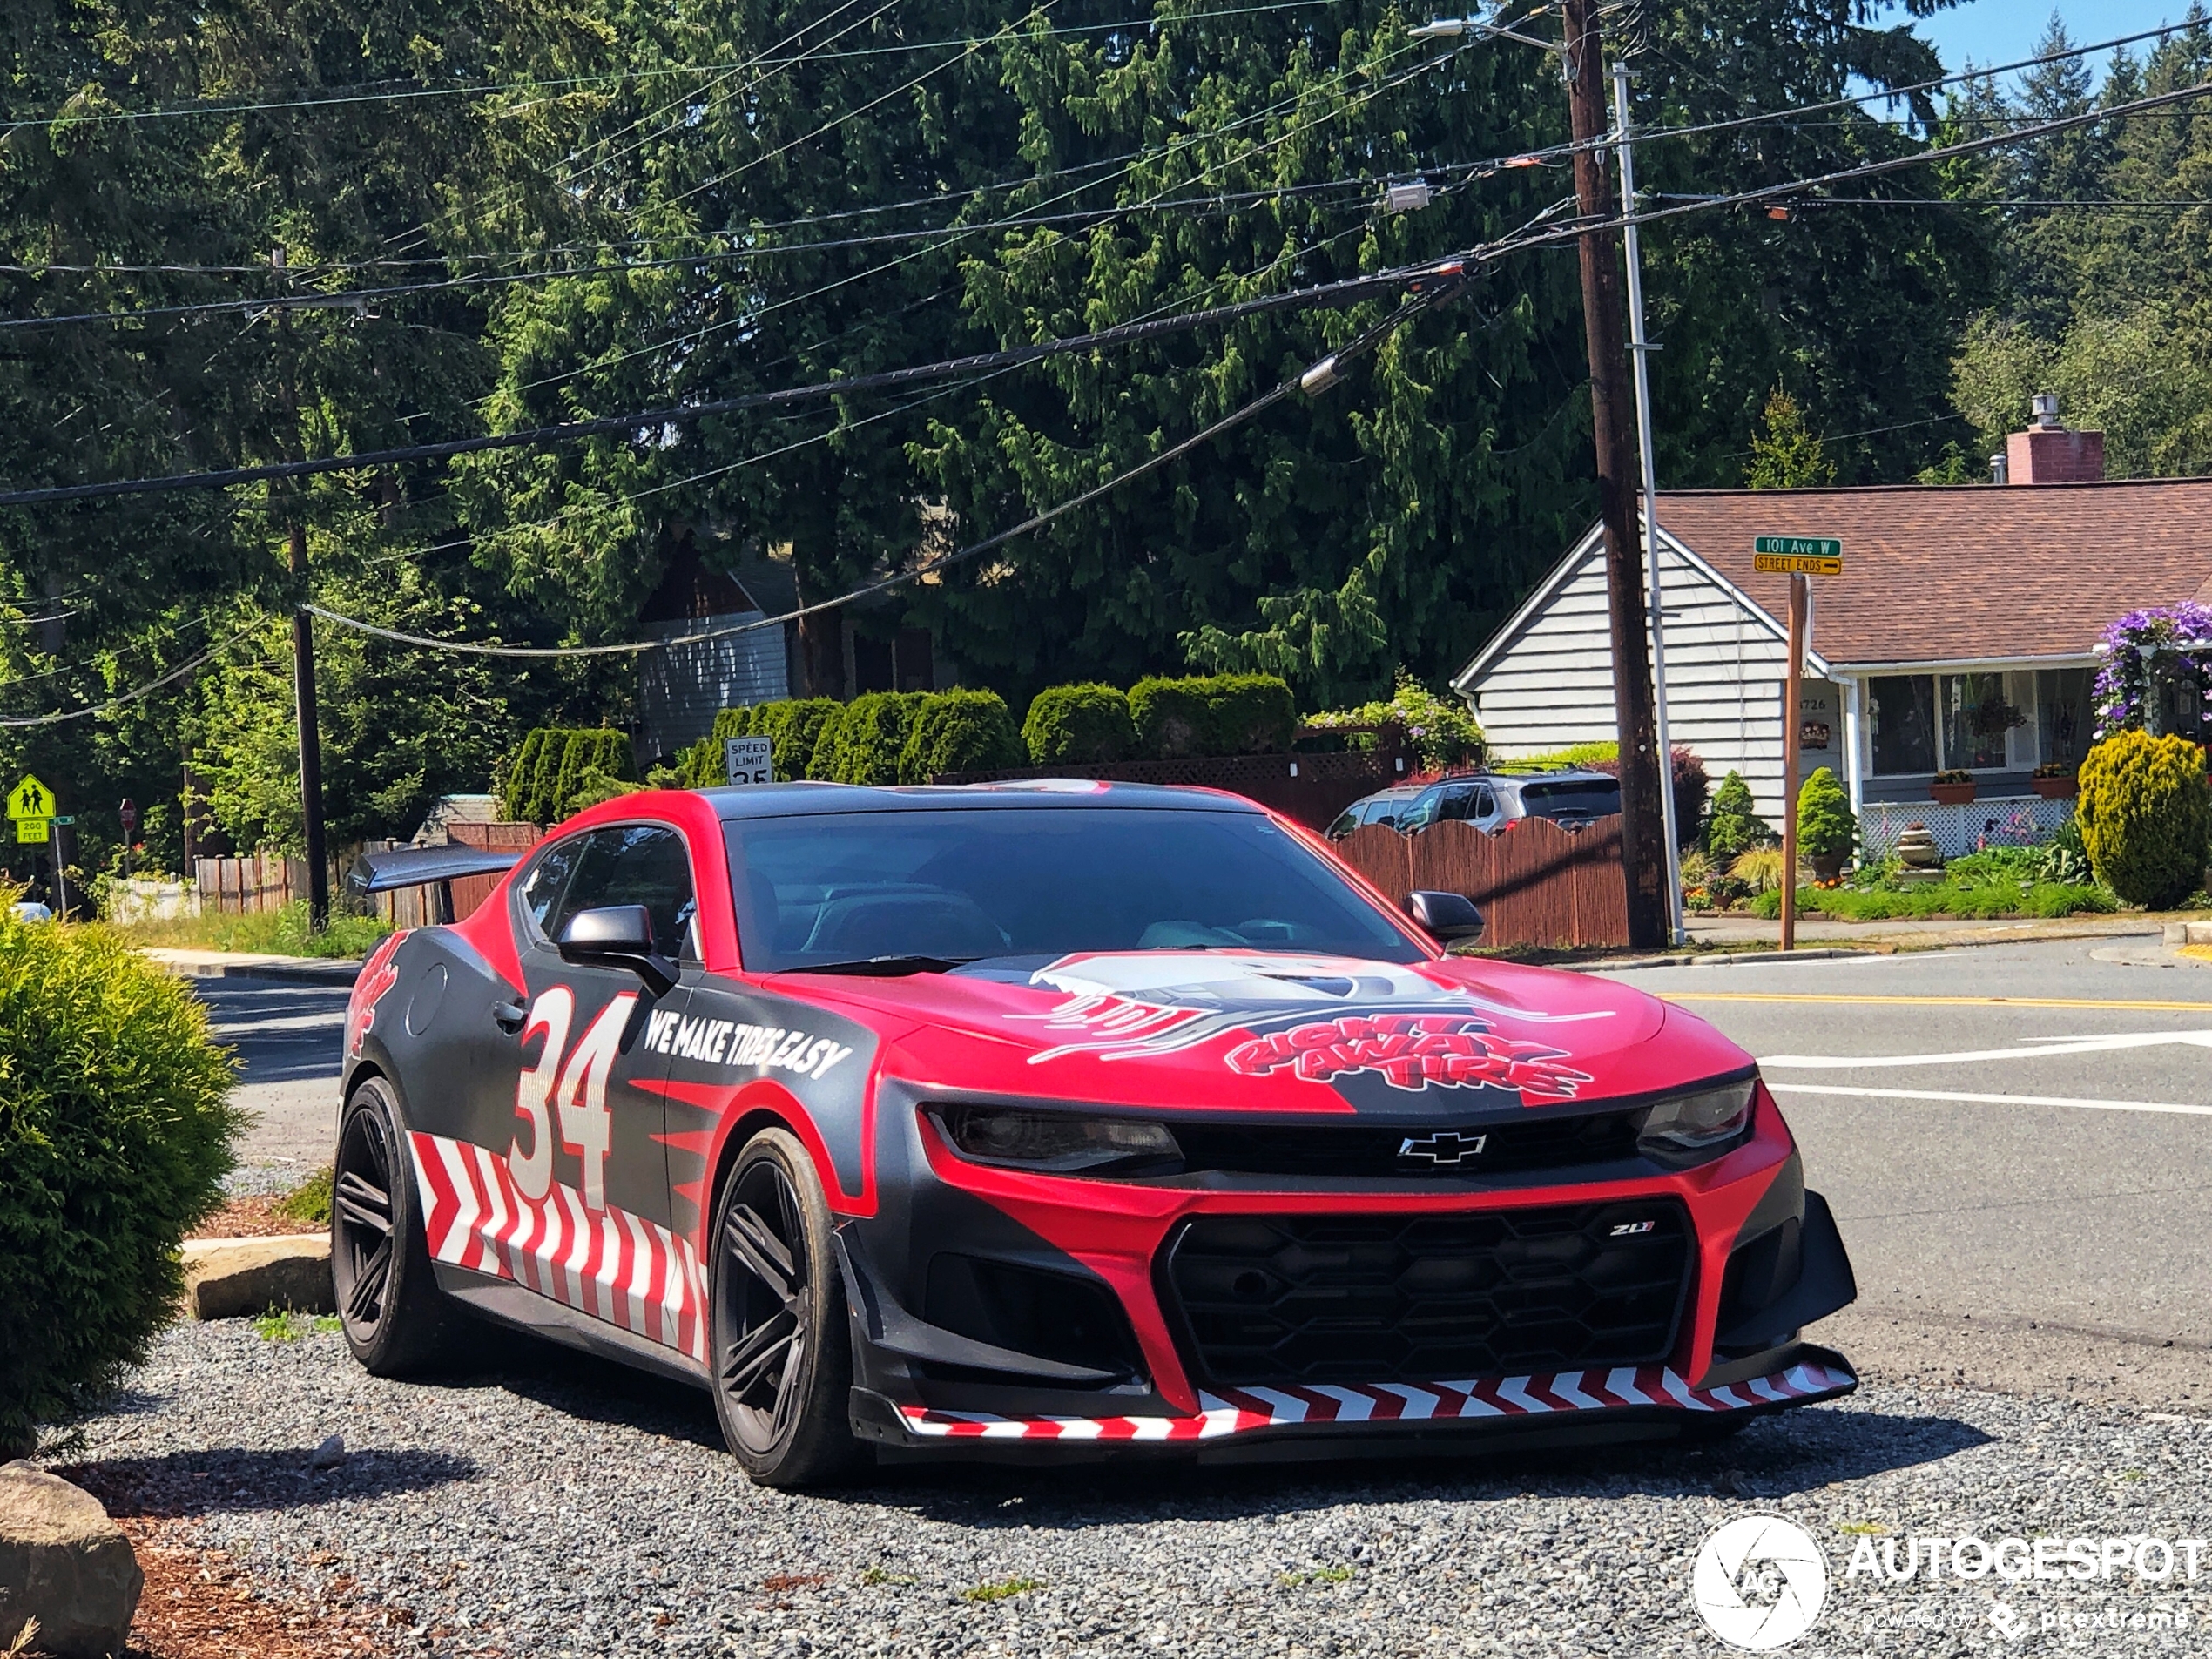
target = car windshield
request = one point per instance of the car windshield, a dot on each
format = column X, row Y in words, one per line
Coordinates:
column 958, row 885
column 1592, row 798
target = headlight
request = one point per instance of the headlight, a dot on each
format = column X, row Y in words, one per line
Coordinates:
column 1684, row 1126
column 1052, row 1141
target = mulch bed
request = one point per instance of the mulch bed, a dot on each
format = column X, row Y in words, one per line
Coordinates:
column 250, row 1217
column 201, row 1603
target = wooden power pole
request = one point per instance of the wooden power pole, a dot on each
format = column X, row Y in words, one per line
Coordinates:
column 303, row 657
column 1642, row 774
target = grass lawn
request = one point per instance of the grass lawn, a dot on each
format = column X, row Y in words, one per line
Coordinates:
column 1979, row 898
column 276, row 933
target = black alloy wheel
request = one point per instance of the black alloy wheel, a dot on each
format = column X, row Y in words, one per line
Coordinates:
column 782, row 1355
column 396, row 1322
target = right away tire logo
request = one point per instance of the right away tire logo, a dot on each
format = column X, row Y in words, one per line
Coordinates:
column 1759, row 1582
column 1412, row 1051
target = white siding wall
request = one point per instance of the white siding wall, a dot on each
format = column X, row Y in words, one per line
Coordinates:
column 1552, row 684
column 681, row 689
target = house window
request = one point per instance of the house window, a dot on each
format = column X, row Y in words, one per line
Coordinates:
column 1900, row 711
column 1976, row 717
column 2064, row 712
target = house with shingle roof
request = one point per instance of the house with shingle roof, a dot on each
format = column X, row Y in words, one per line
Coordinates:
column 1962, row 634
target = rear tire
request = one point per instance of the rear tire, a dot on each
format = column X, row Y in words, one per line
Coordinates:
column 396, row 1320
column 782, row 1354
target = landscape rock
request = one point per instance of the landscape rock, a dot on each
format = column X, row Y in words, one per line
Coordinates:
column 229, row 1278
column 64, row 1563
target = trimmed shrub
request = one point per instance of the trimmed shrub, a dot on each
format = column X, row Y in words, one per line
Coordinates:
column 1172, row 717
column 2145, row 816
column 821, row 755
column 115, row 1136
column 1734, row 828
column 1078, row 725
column 537, row 805
column 595, row 783
column 1825, row 826
column 1249, row 714
column 794, row 726
column 516, row 788
column 959, row 732
column 870, row 737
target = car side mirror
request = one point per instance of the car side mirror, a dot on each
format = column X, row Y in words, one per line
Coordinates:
column 617, row 936
column 1444, row 915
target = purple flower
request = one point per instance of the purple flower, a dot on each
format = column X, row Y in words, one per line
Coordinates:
column 2126, row 683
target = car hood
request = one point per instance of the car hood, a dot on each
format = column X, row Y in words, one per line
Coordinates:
column 1280, row 1032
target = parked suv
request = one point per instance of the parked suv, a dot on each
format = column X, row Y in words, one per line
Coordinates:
column 1385, row 808
column 1491, row 801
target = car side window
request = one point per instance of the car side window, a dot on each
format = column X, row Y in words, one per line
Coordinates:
column 1485, row 803
column 1458, row 804
column 642, row 864
column 549, row 879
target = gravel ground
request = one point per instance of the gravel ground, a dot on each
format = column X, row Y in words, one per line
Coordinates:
column 563, row 1507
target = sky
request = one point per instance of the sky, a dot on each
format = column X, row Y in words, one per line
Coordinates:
column 2003, row 31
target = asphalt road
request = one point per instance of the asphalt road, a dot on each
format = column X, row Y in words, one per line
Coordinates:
column 286, row 1038
column 2017, row 1143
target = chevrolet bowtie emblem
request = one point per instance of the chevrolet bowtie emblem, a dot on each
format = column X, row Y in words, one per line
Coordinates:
column 1448, row 1146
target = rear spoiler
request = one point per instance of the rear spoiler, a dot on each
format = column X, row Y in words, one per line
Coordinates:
column 418, row 867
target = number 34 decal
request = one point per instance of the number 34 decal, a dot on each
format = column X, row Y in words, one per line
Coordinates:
column 574, row 1088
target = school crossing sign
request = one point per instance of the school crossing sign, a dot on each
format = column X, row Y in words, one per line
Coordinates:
column 31, row 805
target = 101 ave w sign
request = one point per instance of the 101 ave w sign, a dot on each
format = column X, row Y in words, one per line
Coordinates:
column 1796, row 556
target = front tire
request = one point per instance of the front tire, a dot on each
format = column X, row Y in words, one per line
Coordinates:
column 782, row 1356
column 396, row 1321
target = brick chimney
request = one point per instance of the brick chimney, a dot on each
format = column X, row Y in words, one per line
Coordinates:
column 2048, row 454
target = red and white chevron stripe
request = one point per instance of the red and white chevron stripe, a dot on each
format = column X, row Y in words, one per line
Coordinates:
column 1241, row 1411
column 608, row 1263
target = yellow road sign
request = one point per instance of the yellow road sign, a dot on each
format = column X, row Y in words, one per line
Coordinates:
column 33, row 829
column 31, row 799
column 1795, row 564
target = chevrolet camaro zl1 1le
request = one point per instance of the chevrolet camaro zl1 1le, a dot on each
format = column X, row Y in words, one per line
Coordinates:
column 1056, row 1120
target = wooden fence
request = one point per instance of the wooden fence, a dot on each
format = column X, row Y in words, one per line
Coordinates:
column 1535, row 883
column 1309, row 789
column 268, row 881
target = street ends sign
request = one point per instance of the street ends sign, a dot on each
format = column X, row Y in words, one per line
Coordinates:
column 1796, row 556
column 748, row 760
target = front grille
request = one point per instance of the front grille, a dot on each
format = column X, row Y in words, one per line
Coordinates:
column 1517, row 1146
column 1283, row 1300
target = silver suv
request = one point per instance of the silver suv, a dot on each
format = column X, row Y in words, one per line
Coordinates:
column 1490, row 801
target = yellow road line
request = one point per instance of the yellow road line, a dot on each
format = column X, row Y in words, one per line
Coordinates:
column 1937, row 1001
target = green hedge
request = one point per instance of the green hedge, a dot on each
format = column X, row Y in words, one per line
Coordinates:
column 115, row 1135
column 1078, row 725
column 517, row 789
column 865, row 746
column 959, row 732
column 2145, row 815
column 794, row 727
column 1217, row 714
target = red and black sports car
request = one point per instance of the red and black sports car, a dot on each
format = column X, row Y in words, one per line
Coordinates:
column 1063, row 1119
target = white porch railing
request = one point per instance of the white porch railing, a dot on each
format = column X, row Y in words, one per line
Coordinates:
column 2006, row 820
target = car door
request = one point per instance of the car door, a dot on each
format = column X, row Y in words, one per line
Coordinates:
column 587, row 1174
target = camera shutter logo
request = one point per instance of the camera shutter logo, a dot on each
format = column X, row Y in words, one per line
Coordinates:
column 1759, row 1582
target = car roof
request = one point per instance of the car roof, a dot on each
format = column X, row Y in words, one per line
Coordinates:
column 811, row 800
column 1564, row 775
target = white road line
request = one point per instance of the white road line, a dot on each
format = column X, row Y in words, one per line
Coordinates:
column 2041, row 1046
column 1995, row 1100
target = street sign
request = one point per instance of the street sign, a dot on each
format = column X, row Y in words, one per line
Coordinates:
column 31, row 799
column 31, row 831
column 748, row 760
column 1796, row 556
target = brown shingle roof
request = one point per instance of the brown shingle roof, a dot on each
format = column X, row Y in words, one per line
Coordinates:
column 1982, row 572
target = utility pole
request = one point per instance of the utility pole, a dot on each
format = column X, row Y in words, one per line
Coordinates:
column 1640, row 348
column 303, row 657
column 1643, row 833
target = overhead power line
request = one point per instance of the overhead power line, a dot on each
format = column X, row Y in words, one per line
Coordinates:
column 1346, row 292
column 409, row 91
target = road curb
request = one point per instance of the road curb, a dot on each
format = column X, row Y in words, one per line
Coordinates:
column 297, row 970
column 1729, row 958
